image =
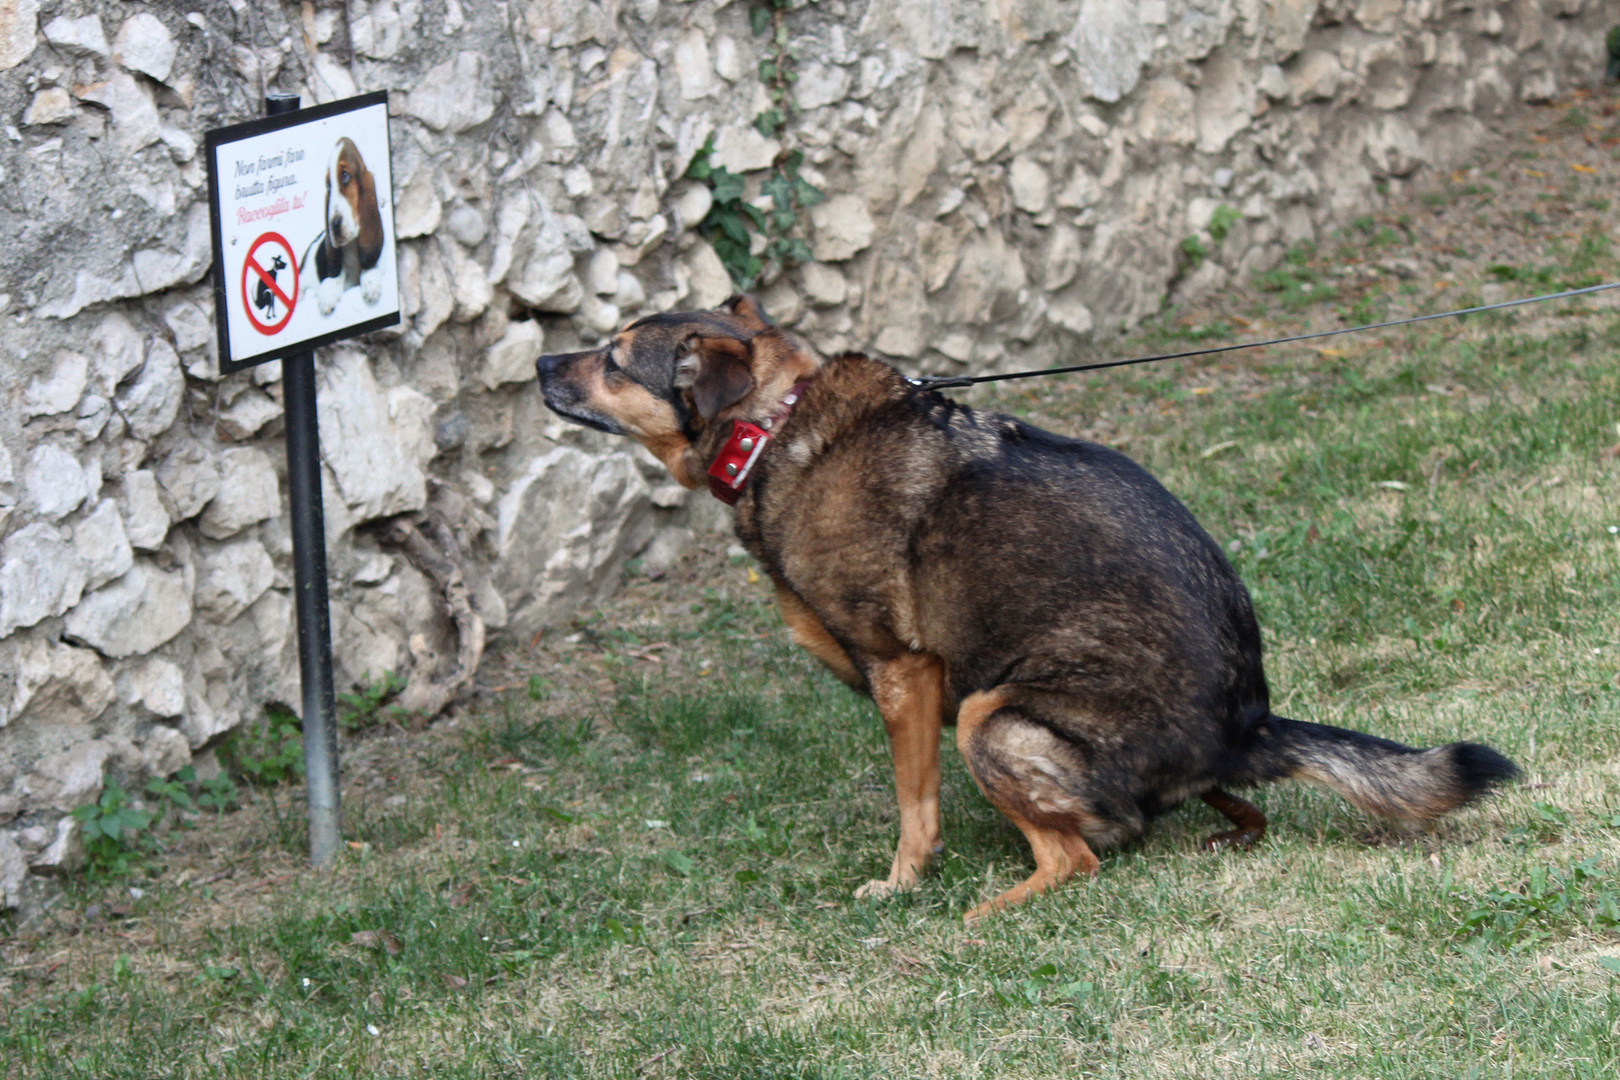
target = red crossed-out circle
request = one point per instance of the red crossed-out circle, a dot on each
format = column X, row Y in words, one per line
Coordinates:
column 288, row 301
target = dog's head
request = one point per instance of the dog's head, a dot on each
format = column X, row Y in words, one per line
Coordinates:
column 672, row 381
column 350, row 194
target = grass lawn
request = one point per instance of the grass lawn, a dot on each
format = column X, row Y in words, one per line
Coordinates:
column 634, row 857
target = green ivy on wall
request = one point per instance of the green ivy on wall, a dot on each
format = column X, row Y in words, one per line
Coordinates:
column 732, row 223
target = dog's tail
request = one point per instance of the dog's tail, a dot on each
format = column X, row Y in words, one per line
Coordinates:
column 1379, row 776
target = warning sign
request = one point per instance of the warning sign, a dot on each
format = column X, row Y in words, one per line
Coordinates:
column 264, row 286
column 303, row 230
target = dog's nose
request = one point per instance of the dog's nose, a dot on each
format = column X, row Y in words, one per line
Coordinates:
column 547, row 364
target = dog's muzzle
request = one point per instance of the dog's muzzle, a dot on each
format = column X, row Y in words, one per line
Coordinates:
column 566, row 398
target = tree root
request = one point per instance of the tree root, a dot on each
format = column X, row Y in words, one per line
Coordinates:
column 431, row 547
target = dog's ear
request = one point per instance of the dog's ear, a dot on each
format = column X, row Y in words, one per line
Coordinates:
column 716, row 369
column 371, row 226
column 748, row 312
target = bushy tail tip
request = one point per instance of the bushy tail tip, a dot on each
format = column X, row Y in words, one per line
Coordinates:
column 1380, row 776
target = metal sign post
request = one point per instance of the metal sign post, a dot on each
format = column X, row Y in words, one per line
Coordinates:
column 304, row 175
column 321, row 788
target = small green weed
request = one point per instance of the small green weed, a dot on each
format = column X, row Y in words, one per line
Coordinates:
column 117, row 840
column 1548, row 901
column 368, row 706
column 1195, row 250
column 1297, row 284
column 267, row 753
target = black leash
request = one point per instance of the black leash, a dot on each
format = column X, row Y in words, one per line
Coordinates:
column 945, row 382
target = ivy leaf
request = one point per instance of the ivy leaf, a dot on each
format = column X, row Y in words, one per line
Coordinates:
column 728, row 186
column 759, row 17
column 768, row 70
column 702, row 165
column 769, row 122
column 807, row 193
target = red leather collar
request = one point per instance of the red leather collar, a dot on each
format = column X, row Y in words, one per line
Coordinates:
column 731, row 469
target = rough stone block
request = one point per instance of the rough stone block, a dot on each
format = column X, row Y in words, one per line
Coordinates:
column 102, row 545
column 61, row 389
column 843, row 227
column 373, row 460
column 512, row 358
column 41, row 575
column 150, row 404
column 59, row 684
column 135, row 614
column 160, row 686
column 248, row 493
column 564, row 529
column 231, row 579
column 54, row 482
column 80, row 37
column 144, row 44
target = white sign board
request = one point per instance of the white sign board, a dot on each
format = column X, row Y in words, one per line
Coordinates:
column 304, row 251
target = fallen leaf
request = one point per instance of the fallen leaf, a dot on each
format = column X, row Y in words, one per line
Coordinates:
column 1582, row 168
column 1393, row 485
column 908, row 963
column 460, row 897
column 454, row 982
column 1219, row 447
column 375, row 939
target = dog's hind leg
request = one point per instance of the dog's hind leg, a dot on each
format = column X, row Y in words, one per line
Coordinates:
column 1037, row 780
column 1250, row 822
column 910, row 693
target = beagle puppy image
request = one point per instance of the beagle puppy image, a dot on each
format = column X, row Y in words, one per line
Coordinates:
column 348, row 250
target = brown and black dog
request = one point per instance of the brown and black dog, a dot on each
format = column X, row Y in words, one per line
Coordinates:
column 1094, row 647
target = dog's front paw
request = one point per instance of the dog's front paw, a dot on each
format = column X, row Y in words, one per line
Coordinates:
column 877, row 889
column 328, row 295
column 370, row 285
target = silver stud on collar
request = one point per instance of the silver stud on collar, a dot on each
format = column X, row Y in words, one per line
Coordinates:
column 746, row 445
column 731, row 470
column 791, row 399
column 767, row 422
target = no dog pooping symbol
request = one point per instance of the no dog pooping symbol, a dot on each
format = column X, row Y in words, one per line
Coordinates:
column 269, row 283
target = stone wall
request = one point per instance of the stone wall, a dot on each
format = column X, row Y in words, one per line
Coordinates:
column 1005, row 181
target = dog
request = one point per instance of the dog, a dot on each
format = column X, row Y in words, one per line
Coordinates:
column 350, row 245
column 1096, row 651
column 264, row 297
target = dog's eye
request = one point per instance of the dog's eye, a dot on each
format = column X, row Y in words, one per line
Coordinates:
column 343, row 177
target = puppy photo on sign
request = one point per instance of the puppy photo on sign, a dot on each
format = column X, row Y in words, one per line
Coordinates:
column 347, row 251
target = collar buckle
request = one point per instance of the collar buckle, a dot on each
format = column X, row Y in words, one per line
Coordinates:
column 732, row 467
